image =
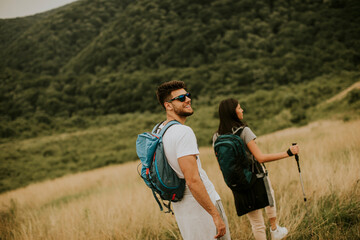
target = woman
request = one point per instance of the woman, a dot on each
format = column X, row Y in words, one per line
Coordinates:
column 231, row 116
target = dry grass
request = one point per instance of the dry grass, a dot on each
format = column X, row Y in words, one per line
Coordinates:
column 113, row 202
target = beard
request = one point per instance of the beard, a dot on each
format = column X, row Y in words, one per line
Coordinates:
column 183, row 113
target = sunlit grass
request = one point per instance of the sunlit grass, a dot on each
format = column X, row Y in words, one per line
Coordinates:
column 114, row 203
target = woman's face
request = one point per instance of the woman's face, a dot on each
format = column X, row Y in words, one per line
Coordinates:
column 239, row 112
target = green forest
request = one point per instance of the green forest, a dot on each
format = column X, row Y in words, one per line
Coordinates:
column 90, row 70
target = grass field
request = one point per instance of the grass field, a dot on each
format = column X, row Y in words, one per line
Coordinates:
column 114, row 203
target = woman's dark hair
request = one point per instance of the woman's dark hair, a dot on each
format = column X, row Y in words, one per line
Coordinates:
column 228, row 116
column 163, row 92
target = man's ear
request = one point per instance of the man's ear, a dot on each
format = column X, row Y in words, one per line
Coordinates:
column 168, row 106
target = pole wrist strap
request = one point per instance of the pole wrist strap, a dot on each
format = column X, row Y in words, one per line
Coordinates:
column 289, row 152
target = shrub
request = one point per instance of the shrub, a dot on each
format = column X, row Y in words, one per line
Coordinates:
column 290, row 100
column 79, row 122
column 7, row 132
column 43, row 118
column 298, row 115
column 353, row 96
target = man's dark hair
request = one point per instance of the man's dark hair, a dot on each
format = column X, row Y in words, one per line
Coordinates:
column 163, row 92
column 228, row 116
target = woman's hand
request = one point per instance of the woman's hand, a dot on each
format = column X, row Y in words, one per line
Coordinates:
column 294, row 149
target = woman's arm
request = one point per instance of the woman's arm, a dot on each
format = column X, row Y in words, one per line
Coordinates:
column 261, row 157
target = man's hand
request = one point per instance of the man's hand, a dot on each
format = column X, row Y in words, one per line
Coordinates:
column 220, row 226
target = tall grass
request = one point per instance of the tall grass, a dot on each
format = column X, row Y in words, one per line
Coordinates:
column 113, row 202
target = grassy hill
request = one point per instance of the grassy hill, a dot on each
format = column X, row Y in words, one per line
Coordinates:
column 77, row 83
column 89, row 57
column 45, row 42
column 111, row 202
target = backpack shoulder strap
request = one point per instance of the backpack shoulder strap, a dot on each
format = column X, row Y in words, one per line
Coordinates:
column 238, row 130
column 166, row 127
column 157, row 127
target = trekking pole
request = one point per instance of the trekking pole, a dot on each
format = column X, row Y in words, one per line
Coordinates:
column 298, row 164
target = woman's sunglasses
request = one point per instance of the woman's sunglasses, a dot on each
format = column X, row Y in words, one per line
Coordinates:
column 181, row 98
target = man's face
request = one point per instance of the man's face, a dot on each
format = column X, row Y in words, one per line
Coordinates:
column 183, row 109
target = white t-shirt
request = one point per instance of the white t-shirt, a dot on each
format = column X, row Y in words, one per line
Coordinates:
column 192, row 219
column 179, row 141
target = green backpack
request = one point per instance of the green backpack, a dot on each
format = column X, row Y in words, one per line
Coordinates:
column 238, row 171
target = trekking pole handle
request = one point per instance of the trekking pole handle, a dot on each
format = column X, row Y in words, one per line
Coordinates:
column 296, row 156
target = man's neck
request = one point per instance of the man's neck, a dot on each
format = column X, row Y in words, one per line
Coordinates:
column 170, row 117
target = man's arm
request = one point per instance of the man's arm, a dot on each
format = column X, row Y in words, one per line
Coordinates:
column 190, row 170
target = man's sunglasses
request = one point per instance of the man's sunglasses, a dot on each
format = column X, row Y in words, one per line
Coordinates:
column 181, row 98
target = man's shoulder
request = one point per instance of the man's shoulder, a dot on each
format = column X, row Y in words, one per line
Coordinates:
column 180, row 130
column 180, row 127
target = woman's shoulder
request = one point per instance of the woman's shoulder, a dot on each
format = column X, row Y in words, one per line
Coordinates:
column 246, row 128
column 242, row 129
column 247, row 134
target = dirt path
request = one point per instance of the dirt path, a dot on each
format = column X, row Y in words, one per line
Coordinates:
column 343, row 93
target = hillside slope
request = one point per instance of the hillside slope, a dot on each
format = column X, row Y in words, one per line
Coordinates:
column 50, row 42
column 93, row 58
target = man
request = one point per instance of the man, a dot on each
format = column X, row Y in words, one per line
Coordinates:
column 200, row 214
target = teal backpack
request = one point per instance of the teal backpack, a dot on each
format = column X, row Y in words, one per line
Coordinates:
column 156, row 171
column 238, row 171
